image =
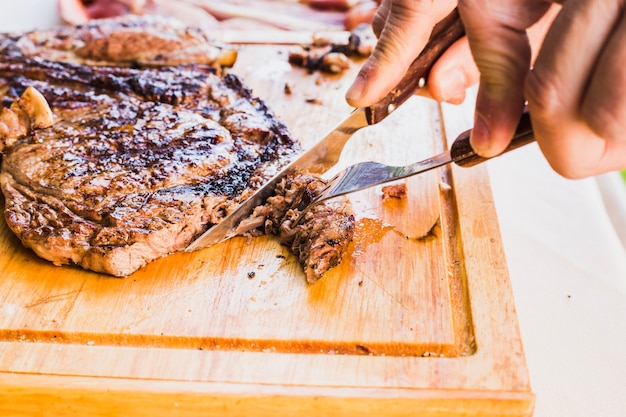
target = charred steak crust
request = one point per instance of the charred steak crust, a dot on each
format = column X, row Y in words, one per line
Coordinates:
column 140, row 160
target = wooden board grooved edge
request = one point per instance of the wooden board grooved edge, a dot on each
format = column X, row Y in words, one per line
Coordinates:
column 418, row 320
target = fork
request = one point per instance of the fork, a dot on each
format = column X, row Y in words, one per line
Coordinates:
column 367, row 174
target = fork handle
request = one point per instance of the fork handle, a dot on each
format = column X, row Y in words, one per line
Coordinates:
column 463, row 155
column 444, row 34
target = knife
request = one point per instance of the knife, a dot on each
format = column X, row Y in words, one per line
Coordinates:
column 325, row 153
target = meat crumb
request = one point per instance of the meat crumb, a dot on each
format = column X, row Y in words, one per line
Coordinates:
column 398, row 191
column 314, row 100
column 364, row 349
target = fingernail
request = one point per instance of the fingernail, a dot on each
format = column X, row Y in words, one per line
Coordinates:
column 479, row 138
column 452, row 85
column 355, row 92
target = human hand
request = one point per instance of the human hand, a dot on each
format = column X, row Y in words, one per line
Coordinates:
column 576, row 91
column 577, row 128
column 403, row 37
column 403, row 27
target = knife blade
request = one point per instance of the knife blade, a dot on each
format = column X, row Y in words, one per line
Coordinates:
column 326, row 152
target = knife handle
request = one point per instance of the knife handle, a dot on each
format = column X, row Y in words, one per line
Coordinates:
column 462, row 154
column 445, row 33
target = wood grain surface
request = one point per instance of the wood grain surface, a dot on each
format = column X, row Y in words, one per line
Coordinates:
column 419, row 317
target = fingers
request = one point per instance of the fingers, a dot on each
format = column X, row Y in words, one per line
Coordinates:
column 407, row 28
column 604, row 105
column 537, row 32
column 501, row 49
column 456, row 70
column 575, row 91
column 557, row 82
column 380, row 17
column 575, row 151
column 453, row 73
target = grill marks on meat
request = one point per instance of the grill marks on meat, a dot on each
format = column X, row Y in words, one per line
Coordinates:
column 140, row 160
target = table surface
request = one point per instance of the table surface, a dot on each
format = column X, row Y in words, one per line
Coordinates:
column 565, row 246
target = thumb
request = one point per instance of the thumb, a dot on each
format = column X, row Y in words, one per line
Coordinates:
column 497, row 36
column 406, row 30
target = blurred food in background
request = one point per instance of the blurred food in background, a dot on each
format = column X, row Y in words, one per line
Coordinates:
column 253, row 17
column 239, row 14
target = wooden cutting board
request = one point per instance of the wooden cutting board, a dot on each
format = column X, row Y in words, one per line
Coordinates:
column 419, row 318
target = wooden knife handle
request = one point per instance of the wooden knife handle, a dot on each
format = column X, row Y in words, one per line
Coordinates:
column 463, row 155
column 445, row 33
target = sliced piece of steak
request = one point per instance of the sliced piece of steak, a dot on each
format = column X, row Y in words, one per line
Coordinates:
column 320, row 238
column 140, row 159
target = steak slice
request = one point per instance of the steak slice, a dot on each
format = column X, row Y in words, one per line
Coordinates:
column 141, row 158
column 320, row 238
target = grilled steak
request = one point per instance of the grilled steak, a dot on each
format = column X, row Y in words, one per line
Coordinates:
column 137, row 153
